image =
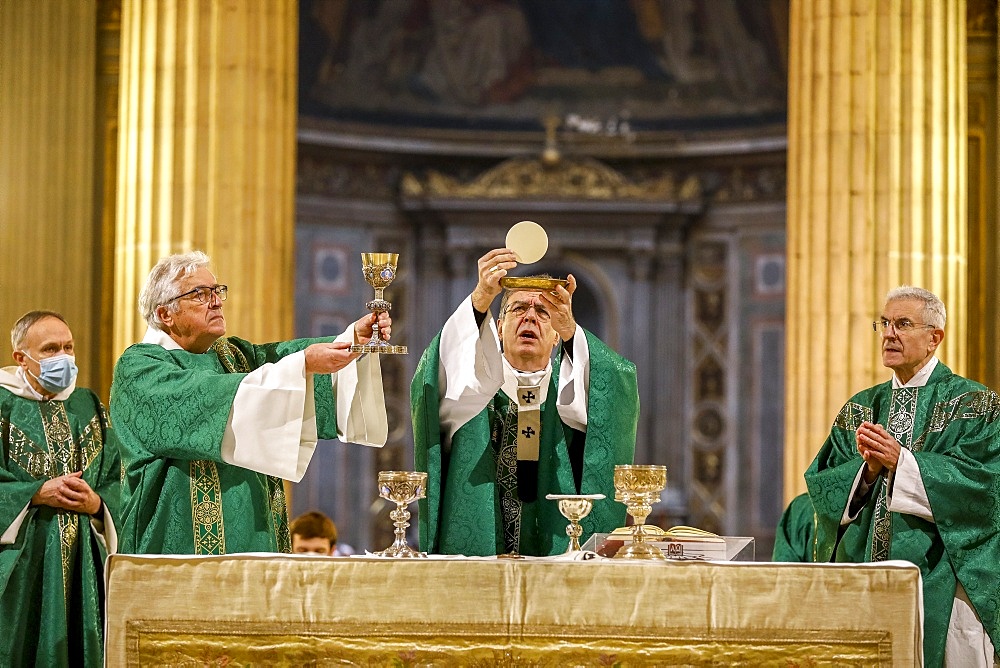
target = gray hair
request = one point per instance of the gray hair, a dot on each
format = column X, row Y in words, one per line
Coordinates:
column 161, row 284
column 933, row 310
column 20, row 329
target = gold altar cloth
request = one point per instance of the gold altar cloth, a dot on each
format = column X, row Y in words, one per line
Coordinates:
column 295, row 610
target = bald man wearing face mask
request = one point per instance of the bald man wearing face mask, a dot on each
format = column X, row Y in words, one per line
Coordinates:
column 59, row 486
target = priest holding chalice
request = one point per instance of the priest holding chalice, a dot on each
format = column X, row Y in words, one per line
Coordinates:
column 508, row 410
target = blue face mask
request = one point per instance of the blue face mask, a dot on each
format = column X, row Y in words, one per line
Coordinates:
column 56, row 373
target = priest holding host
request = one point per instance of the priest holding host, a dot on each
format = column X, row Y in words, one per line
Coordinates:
column 59, row 488
column 499, row 421
column 211, row 425
column 911, row 471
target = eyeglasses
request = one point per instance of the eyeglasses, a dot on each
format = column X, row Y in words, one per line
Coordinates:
column 901, row 325
column 520, row 309
column 203, row 294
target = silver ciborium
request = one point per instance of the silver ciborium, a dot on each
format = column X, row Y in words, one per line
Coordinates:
column 402, row 488
column 379, row 270
column 638, row 487
column 574, row 507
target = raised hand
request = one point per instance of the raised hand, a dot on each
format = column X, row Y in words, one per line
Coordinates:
column 363, row 327
column 492, row 267
column 559, row 303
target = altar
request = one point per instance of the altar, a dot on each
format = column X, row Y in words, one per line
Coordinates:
column 302, row 610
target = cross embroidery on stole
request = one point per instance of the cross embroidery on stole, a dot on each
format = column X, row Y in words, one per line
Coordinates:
column 528, row 423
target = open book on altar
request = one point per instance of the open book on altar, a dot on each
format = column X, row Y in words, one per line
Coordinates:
column 679, row 542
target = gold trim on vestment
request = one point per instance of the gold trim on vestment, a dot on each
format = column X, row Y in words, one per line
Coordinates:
column 504, row 440
column 852, row 415
column 900, row 424
column 206, row 508
column 234, row 361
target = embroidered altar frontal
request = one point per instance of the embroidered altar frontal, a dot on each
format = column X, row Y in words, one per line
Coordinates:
column 287, row 610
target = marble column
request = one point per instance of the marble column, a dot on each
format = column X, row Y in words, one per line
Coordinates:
column 49, row 228
column 876, row 194
column 206, row 154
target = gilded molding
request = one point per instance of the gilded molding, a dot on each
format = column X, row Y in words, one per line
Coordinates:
column 577, row 178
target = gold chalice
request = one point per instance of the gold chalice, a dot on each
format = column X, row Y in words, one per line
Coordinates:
column 574, row 507
column 379, row 270
column 402, row 488
column 639, row 487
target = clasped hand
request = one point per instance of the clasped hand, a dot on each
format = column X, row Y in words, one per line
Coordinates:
column 69, row 492
column 878, row 449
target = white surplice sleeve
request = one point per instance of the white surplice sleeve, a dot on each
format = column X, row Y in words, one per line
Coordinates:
column 472, row 372
column 104, row 529
column 907, row 492
column 471, row 368
column 272, row 424
column 361, row 415
column 574, row 384
column 9, row 535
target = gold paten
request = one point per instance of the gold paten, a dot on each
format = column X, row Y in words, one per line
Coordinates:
column 531, row 283
column 379, row 270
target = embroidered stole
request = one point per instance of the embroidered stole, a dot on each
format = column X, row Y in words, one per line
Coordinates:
column 206, row 489
column 504, row 439
column 902, row 416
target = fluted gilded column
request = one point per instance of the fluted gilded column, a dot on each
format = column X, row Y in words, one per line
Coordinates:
column 876, row 194
column 49, row 235
column 206, row 153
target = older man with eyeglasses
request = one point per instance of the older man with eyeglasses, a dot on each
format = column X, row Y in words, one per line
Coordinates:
column 210, row 425
column 911, row 471
column 498, row 425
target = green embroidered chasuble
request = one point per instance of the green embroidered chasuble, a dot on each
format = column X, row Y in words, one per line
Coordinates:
column 51, row 577
column 179, row 497
column 952, row 427
column 472, row 487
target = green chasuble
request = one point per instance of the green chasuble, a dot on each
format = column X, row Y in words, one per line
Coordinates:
column 794, row 539
column 52, row 576
column 952, row 427
column 468, row 484
column 179, row 497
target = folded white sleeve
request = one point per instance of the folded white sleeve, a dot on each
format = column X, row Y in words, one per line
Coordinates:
column 471, row 371
column 574, row 384
column 9, row 535
column 361, row 414
column 272, row 425
column 104, row 529
column 909, row 496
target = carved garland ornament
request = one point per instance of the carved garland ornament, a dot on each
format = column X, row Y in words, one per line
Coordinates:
column 584, row 178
